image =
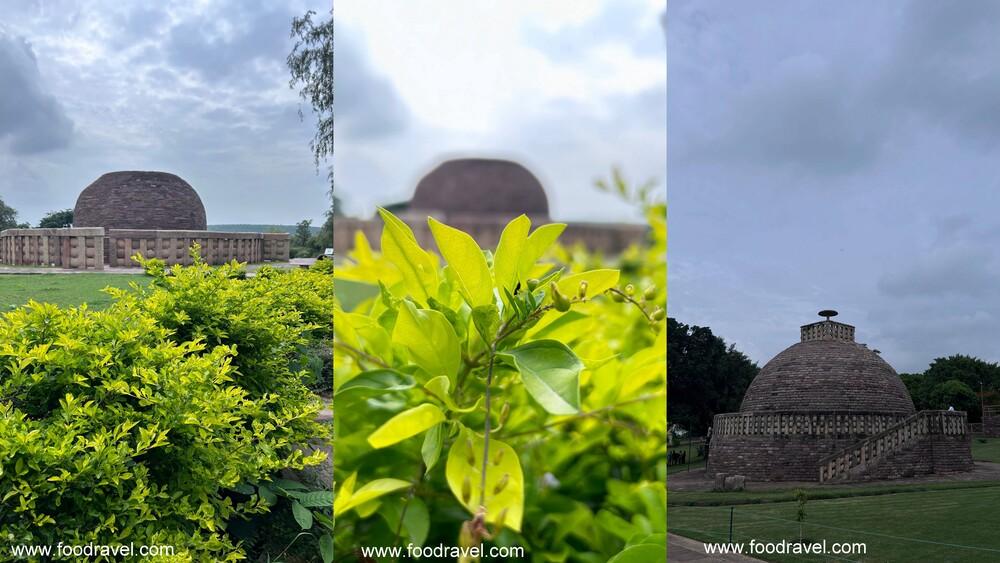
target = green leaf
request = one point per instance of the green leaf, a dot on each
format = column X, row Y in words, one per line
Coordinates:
column 440, row 387
column 504, row 480
column 267, row 495
column 326, row 547
column 509, row 250
column 466, row 260
column 302, row 515
column 416, row 519
column 400, row 247
column 429, row 338
column 534, row 248
column 642, row 553
column 405, row 425
column 378, row 381
column 431, row 448
column 316, row 499
column 373, row 490
column 598, row 281
column 551, row 374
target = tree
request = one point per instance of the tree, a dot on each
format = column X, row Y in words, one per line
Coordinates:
column 311, row 67
column 938, row 386
column 8, row 218
column 706, row 376
column 56, row 219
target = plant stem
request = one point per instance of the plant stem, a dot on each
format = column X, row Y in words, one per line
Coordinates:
column 486, row 431
column 361, row 355
column 632, row 301
column 578, row 416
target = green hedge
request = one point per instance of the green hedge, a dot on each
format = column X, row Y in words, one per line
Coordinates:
column 140, row 423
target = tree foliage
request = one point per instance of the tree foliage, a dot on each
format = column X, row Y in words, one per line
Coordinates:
column 311, row 67
column 8, row 218
column 56, row 219
column 956, row 381
column 707, row 377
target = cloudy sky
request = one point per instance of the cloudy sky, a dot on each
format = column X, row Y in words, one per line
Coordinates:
column 837, row 155
column 567, row 87
column 199, row 89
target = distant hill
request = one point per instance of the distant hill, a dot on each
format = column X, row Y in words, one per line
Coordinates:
column 290, row 229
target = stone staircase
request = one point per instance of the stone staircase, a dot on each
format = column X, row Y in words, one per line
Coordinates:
column 925, row 442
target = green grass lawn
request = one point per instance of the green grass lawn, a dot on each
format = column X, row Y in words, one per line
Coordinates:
column 945, row 522
column 989, row 450
column 65, row 290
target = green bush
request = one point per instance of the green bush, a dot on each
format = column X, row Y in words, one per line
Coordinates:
column 162, row 419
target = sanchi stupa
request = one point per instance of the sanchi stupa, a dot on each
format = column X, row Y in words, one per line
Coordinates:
column 479, row 196
column 830, row 409
column 156, row 214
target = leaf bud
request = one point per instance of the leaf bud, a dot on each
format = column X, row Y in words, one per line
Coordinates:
column 466, row 490
column 559, row 300
column 469, row 456
column 501, row 484
column 650, row 292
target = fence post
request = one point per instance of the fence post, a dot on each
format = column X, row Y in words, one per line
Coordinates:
column 731, row 509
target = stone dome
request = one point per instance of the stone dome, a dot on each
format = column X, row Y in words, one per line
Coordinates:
column 481, row 186
column 140, row 200
column 828, row 371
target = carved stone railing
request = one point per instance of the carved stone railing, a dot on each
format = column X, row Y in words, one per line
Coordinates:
column 907, row 432
column 789, row 423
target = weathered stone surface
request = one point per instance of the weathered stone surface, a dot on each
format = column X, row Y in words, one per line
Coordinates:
column 735, row 483
column 140, row 200
column 480, row 186
column 720, row 482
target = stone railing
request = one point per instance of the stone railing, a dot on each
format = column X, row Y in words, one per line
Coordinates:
column 216, row 247
column 907, row 432
column 94, row 248
column 824, row 423
column 76, row 248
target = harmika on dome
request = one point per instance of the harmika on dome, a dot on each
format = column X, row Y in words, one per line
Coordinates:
column 829, row 408
column 140, row 200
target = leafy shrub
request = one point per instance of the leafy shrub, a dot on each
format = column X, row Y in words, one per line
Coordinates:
column 160, row 420
column 500, row 396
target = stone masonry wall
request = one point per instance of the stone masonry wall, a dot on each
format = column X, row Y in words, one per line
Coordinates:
column 933, row 454
column 772, row 458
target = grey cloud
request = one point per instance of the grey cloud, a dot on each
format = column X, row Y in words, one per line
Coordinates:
column 366, row 104
column 800, row 116
column 620, row 21
column 31, row 119
column 944, row 69
column 225, row 41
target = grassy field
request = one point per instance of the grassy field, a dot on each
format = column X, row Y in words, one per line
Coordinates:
column 986, row 449
column 939, row 522
column 65, row 290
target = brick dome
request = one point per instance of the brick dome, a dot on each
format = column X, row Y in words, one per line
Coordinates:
column 140, row 200
column 828, row 371
column 481, row 186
